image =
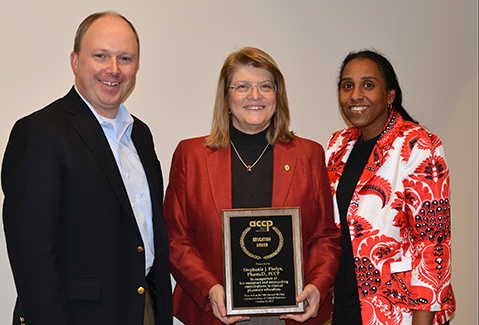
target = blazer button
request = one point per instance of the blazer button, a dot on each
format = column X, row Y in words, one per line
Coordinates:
column 141, row 290
column 140, row 249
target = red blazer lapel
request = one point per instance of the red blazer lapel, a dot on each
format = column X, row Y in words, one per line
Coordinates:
column 285, row 161
column 380, row 152
column 218, row 166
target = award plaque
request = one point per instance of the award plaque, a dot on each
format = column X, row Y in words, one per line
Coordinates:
column 262, row 260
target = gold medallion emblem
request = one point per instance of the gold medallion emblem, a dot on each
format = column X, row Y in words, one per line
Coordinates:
column 257, row 257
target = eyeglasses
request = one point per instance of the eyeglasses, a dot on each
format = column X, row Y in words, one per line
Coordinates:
column 265, row 88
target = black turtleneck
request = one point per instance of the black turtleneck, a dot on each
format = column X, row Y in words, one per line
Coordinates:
column 252, row 189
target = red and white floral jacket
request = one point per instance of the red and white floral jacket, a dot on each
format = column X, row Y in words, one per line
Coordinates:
column 399, row 219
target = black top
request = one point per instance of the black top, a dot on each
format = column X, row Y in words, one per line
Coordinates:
column 252, row 189
column 347, row 310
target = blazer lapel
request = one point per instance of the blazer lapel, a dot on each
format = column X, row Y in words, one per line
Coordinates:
column 285, row 162
column 218, row 166
column 88, row 128
column 380, row 153
column 149, row 163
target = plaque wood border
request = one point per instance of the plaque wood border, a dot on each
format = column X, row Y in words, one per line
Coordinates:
column 295, row 214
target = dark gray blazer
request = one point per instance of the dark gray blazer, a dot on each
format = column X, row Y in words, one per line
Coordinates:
column 73, row 242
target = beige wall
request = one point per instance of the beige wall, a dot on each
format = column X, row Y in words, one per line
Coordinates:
column 432, row 44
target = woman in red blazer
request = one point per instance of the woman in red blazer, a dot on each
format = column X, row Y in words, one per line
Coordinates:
column 250, row 160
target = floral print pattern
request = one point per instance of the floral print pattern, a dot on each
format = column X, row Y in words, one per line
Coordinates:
column 399, row 219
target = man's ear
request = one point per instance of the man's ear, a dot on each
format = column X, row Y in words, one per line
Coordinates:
column 74, row 62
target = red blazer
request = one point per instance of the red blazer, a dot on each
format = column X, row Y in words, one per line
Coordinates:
column 200, row 187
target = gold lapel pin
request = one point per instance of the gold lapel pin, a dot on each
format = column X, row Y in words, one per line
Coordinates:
column 287, row 167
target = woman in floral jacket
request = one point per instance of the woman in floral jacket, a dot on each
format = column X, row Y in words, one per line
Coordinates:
column 390, row 184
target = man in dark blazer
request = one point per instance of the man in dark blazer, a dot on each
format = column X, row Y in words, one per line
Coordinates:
column 83, row 191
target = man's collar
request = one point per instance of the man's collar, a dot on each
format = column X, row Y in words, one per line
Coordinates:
column 122, row 121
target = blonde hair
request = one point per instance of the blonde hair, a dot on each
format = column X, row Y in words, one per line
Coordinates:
column 220, row 127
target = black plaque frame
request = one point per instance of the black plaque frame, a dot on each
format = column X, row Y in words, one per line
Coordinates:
column 265, row 290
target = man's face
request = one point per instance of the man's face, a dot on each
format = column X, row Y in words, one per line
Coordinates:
column 106, row 66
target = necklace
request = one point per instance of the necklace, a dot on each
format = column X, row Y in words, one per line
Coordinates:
column 248, row 167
